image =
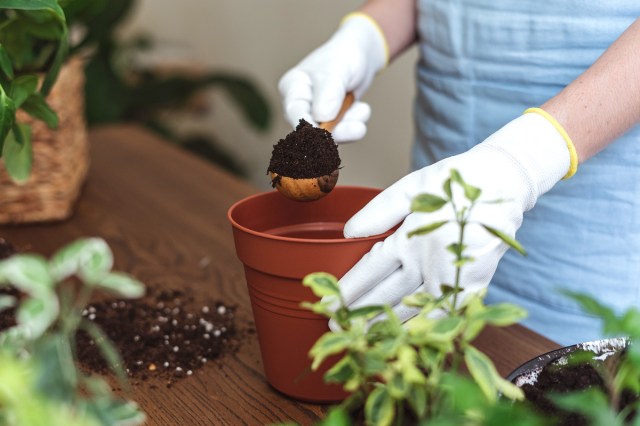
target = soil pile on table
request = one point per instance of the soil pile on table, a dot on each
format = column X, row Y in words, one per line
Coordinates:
column 166, row 334
column 307, row 152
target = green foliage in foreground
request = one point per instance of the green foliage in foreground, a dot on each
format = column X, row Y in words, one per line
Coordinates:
column 40, row 383
column 427, row 370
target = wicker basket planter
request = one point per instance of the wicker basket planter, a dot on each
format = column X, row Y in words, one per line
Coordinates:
column 60, row 157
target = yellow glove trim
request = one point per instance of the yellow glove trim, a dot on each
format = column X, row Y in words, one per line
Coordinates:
column 375, row 26
column 573, row 155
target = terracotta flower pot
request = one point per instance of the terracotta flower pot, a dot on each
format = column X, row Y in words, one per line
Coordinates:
column 280, row 241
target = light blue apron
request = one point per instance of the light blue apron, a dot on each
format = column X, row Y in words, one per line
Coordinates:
column 482, row 63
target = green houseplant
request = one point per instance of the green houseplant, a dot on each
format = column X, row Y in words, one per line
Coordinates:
column 427, row 371
column 415, row 373
column 40, row 382
column 34, row 41
column 43, row 137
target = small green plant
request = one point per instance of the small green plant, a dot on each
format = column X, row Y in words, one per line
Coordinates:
column 40, row 381
column 416, row 373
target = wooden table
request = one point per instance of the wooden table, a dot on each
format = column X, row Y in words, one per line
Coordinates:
column 163, row 212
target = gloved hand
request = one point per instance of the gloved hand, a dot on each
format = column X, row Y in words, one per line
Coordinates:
column 518, row 164
column 315, row 88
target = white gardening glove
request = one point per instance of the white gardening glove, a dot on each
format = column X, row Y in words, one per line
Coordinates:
column 315, row 88
column 518, row 164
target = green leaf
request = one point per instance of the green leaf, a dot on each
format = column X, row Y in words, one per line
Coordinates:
column 89, row 258
column 417, row 397
column 52, row 75
column 445, row 329
column 322, row 284
column 456, row 177
column 7, row 114
column 29, row 273
column 121, row 285
column 591, row 403
column 337, row 416
column 22, row 87
column 502, row 314
column 379, row 409
column 427, row 203
column 459, row 263
column 17, row 153
column 487, row 377
column 449, row 290
column 592, row 306
column 37, row 107
column 45, row 5
column 397, row 387
column 366, row 312
column 511, row 242
column 419, row 299
column 38, row 314
column 456, row 248
column 57, row 374
column 328, row 344
column 320, row 308
column 5, row 62
column 471, row 192
column 446, row 187
column 423, row 230
column 342, row 371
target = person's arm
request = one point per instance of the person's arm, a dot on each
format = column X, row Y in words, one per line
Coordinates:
column 604, row 102
column 397, row 20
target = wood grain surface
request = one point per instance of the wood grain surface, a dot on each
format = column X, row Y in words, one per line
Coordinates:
column 163, row 212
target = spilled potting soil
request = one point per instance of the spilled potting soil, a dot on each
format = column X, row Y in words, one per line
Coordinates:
column 166, row 334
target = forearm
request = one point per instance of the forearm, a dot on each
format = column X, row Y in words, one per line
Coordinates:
column 397, row 19
column 603, row 102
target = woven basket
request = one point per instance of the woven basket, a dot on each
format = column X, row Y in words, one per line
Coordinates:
column 60, row 157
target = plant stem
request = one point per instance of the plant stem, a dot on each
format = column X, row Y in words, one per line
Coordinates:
column 456, row 284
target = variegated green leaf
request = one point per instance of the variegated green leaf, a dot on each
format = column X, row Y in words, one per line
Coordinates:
column 427, row 203
column 322, row 284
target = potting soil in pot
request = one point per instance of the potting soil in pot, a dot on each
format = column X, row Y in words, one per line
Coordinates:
column 307, row 152
column 563, row 376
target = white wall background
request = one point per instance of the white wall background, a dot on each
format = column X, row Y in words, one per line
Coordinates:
column 261, row 40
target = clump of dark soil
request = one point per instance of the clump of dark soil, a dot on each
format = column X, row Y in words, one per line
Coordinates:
column 166, row 334
column 307, row 152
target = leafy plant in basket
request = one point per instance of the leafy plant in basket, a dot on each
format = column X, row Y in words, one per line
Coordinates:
column 34, row 43
column 40, row 382
column 414, row 373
